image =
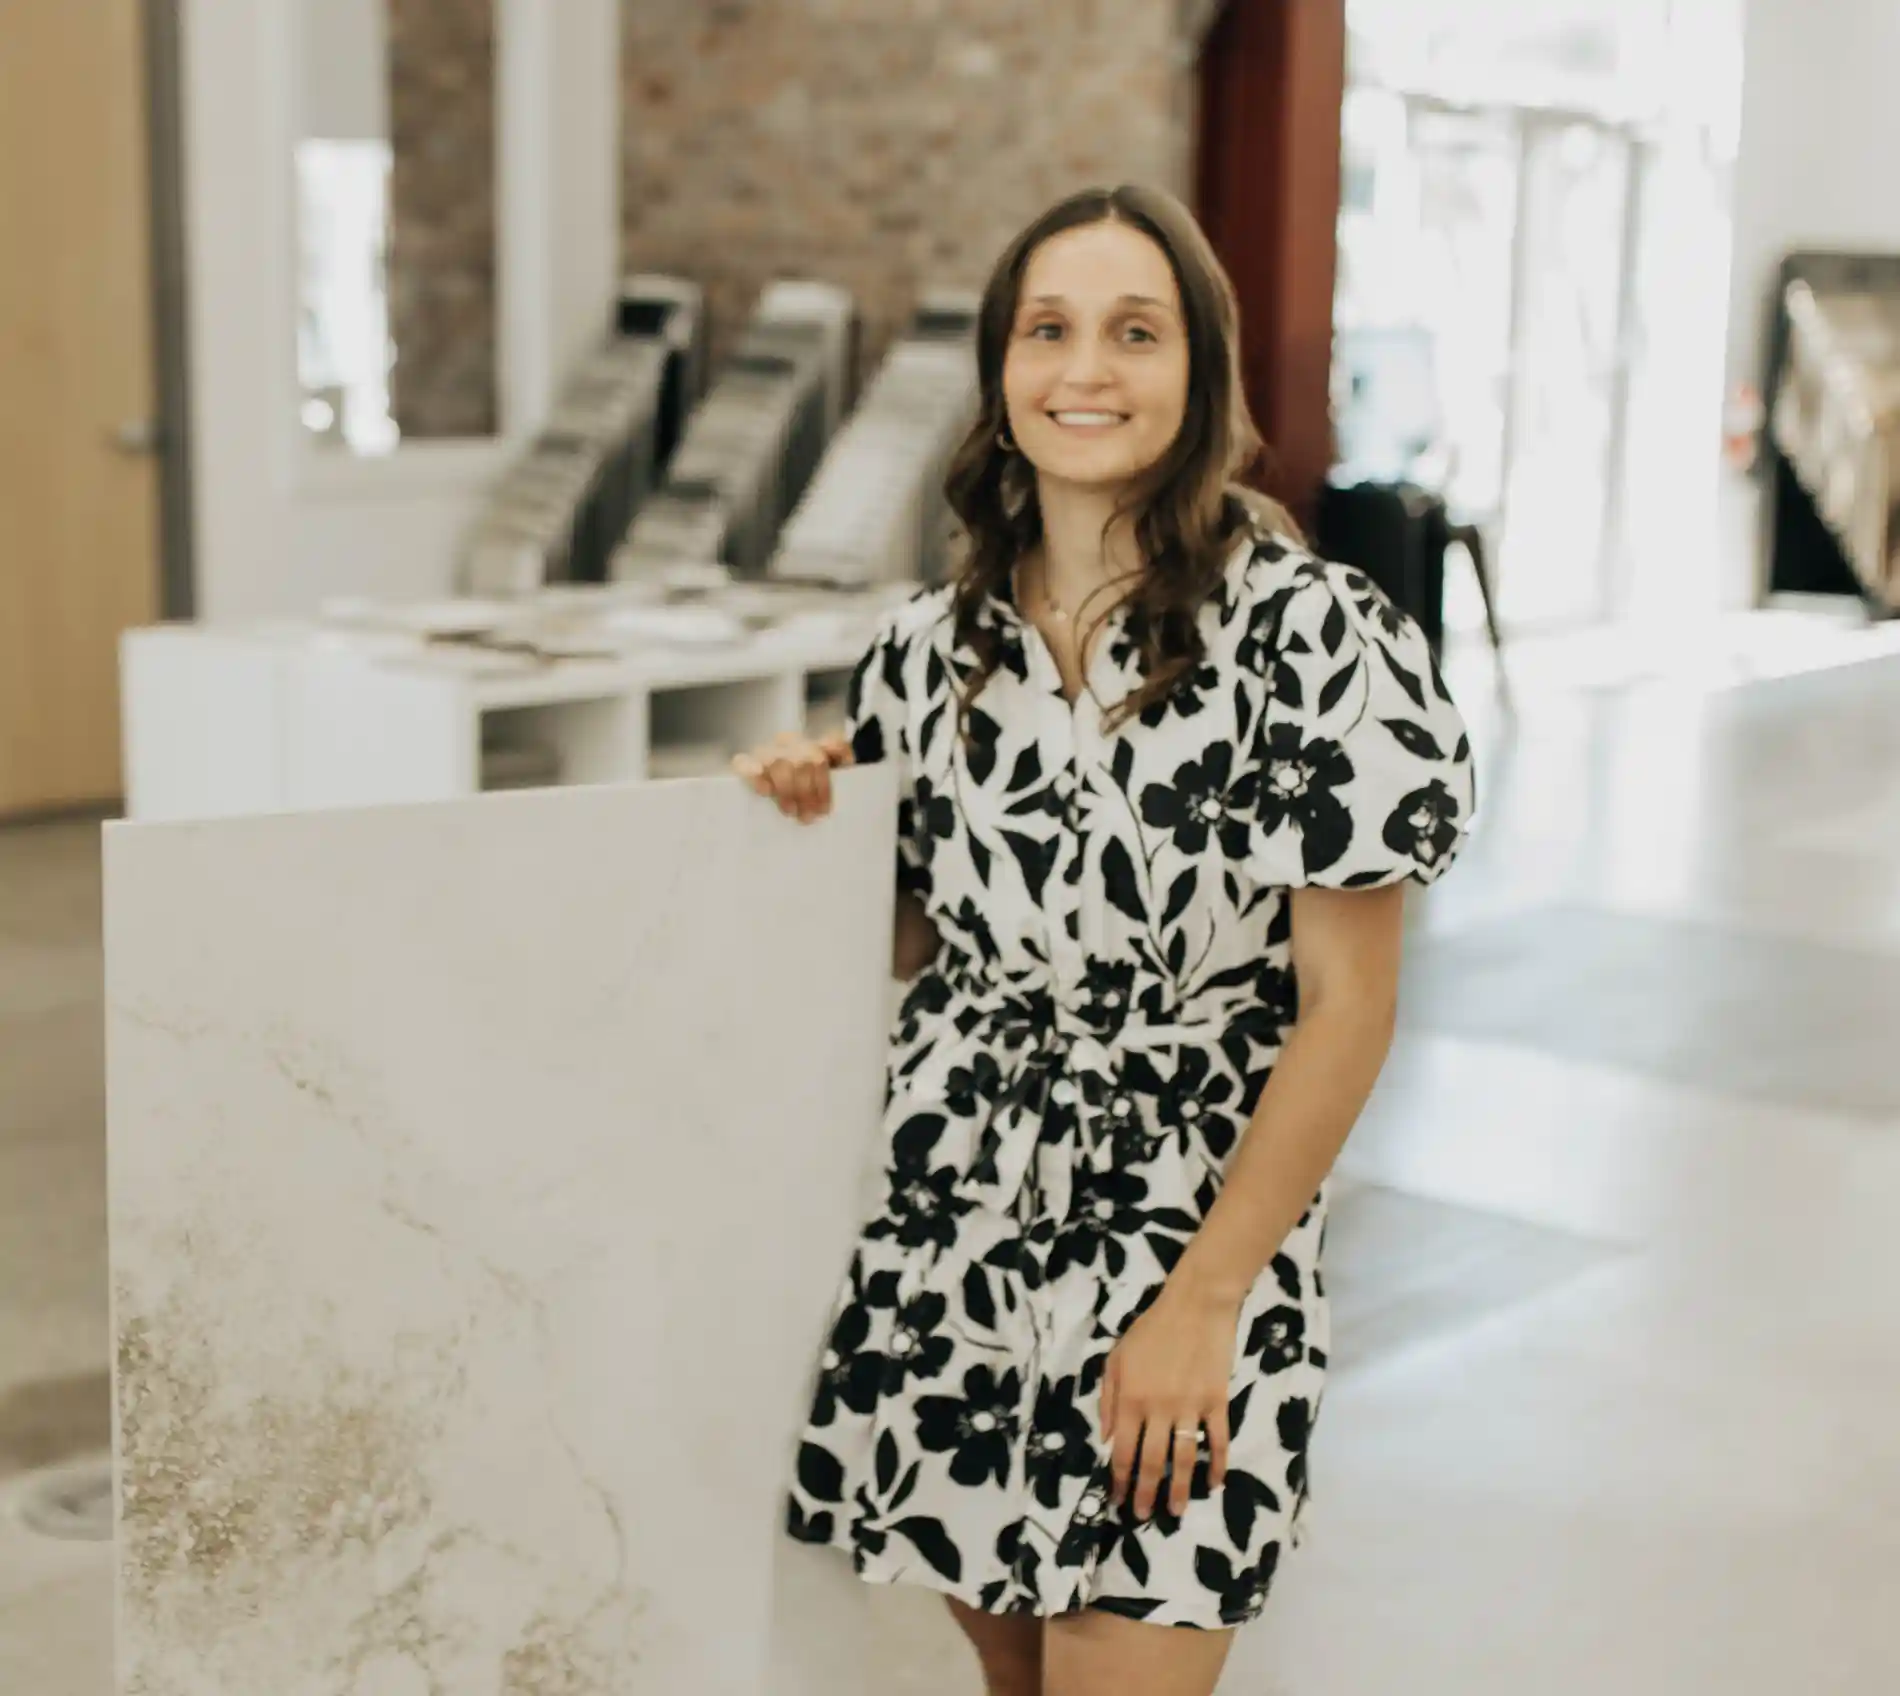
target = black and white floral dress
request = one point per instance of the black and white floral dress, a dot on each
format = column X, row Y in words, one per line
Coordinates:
column 1069, row 1078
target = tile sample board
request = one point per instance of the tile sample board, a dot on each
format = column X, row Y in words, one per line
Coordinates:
column 480, row 1176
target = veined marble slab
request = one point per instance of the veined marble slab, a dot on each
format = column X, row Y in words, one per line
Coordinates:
column 480, row 1176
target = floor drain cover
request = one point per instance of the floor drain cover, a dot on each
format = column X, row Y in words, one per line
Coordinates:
column 74, row 1502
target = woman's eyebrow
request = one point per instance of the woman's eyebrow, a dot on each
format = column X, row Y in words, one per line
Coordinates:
column 1124, row 300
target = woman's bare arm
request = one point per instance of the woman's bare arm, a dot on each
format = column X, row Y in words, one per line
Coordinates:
column 1346, row 948
column 915, row 939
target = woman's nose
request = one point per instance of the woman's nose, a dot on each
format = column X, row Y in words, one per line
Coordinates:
column 1086, row 368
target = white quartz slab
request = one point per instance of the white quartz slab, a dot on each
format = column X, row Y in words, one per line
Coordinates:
column 480, row 1176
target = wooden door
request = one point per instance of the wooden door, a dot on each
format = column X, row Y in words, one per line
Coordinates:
column 1272, row 85
column 79, row 559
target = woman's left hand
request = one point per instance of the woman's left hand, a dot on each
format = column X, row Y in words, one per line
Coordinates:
column 1166, row 1379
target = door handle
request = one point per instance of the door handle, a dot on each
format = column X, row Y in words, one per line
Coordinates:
column 138, row 436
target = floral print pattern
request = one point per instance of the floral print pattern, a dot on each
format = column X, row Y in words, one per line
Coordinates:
column 1071, row 1075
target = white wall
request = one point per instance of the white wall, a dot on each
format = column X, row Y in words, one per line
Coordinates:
column 1820, row 134
column 345, row 58
column 1819, row 143
column 279, row 527
column 582, row 184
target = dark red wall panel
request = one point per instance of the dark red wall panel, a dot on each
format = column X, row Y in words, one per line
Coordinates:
column 1272, row 81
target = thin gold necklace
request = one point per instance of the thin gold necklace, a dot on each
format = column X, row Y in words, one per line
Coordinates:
column 1057, row 610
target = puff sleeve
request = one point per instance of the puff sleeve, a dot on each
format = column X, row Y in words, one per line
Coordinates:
column 1357, row 760
column 877, row 721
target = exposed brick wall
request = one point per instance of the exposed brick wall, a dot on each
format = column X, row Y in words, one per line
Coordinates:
column 884, row 145
column 442, row 217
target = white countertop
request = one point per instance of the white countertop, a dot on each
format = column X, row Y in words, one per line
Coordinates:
column 613, row 641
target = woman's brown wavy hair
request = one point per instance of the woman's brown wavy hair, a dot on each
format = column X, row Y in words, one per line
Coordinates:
column 1189, row 508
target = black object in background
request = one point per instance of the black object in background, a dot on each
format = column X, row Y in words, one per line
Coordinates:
column 1396, row 533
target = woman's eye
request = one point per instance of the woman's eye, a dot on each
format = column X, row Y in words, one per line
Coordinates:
column 1050, row 331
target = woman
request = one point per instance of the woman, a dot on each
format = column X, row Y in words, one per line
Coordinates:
column 1164, row 777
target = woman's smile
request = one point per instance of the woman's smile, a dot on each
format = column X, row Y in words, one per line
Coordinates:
column 1094, row 423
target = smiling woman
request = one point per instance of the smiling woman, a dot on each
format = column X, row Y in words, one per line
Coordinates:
column 1108, row 356
column 1163, row 776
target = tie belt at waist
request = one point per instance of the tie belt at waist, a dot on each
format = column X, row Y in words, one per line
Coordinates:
column 1062, row 1055
column 1027, row 1005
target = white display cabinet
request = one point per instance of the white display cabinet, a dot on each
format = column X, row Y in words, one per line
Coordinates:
column 288, row 717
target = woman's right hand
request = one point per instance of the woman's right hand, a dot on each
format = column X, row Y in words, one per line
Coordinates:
column 795, row 771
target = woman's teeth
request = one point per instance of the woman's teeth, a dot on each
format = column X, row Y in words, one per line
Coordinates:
column 1087, row 418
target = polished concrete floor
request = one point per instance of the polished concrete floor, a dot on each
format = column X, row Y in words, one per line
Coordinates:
column 1617, row 1254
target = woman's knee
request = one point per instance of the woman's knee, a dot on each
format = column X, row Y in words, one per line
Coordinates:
column 1094, row 1653
column 1009, row 1646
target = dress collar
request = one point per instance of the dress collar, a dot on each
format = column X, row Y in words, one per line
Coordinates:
column 998, row 610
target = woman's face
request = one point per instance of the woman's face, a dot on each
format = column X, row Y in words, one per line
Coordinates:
column 1095, row 378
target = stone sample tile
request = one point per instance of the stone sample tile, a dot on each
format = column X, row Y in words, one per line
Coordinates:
column 480, row 1175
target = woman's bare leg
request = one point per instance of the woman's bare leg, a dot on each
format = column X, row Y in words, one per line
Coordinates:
column 1101, row 1654
column 1008, row 1645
